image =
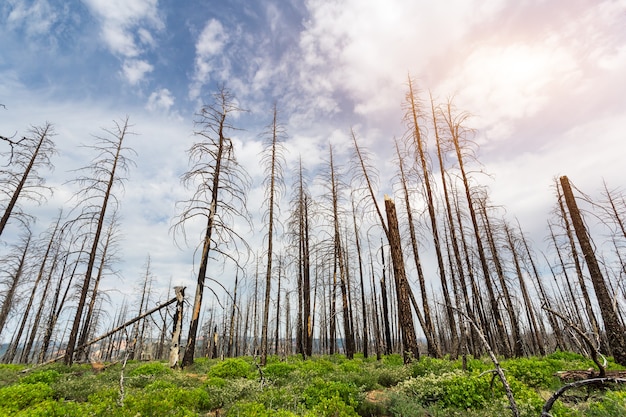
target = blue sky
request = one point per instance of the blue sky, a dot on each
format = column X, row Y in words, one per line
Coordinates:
column 544, row 80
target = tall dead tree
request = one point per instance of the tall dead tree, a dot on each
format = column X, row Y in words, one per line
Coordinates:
column 414, row 131
column 339, row 259
column 273, row 161
column 410, row 349
column 299, row 227
column 219, row 183
column 455, row 126
column 22, row 179
column 429, row 330
column 106, row 171
column 13, row 268
column 612, row 326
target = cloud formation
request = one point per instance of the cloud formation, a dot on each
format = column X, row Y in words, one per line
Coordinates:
column 209, row 45
column 126, row 31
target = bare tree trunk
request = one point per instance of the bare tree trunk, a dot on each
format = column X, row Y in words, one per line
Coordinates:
column 231, row 330
column 42, row 149
column 530, row 309
column 501, row 346
column 363, row 303
column 429, row 331
column 405, row 316
column 384, row 300
column 87, row 324
column 518, row 346
column 16, row 278
column 579, row 273
column 556, row 329
column 178, row 325
column 117, row 159
column 276, row 334
column 414, row 126
column 274, row 169
column 614, row 330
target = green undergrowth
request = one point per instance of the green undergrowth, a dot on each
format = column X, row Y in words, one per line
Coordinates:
column 330, row 386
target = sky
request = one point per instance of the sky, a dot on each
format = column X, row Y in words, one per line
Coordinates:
column 545, row 82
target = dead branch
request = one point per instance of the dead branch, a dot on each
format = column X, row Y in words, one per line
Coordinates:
column 594, row 381
column 592, row 347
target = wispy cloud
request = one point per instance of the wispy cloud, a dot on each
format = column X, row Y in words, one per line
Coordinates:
column 126, row 29
column 36, row 17
column 209, row 45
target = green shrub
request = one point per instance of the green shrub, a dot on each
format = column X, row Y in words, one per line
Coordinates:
column 321, row 390
column 394, row 359
column 613, row 404
column 231, row 368
column 223, row 392
column 162, row 398
column 78, row 387
column 17, row 397
column 534, row 372
column 317, row 367
column 53, row 408
column 453, row 389
column 9, row 374
column 390, row 377
column 255, row 409
column 427, row 365
column 332, row 407
column 278, row 372
column 151, row 369
column 47, row 377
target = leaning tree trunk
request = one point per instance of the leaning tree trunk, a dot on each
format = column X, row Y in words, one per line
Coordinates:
column 405, row 315
column 615, row 332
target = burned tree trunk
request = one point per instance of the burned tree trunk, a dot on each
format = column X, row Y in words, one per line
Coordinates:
column 615, row 332
column 405, row 315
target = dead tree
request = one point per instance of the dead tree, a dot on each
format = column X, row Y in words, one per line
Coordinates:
column 23, row 181
column 410, row 349
column 221, row 184
column 615, row 332
column 13, row 267
column 96, row 197
column 273, row 161
column 414, row 131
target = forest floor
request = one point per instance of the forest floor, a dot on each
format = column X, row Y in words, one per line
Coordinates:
column 331, row 386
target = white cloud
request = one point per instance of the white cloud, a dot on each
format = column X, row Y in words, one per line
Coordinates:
column 134, row 70
column 122, row 22
column 161, row 99
column 209, row 44
column 37, row 17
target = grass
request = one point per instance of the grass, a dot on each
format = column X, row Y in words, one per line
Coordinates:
column 321, row 386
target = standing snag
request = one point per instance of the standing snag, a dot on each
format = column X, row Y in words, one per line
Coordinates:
column 220, row 184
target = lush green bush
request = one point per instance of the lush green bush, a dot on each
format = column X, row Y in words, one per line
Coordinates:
column 451, row 389
column 427, row 365
column 14, row 398
column 231, row 368
column 151, row 369
column 534, row 372
column 45, row 376
column 332, row 407
column 279, row 372
column 321, row 390
column 78, row 387
column 162, row 398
